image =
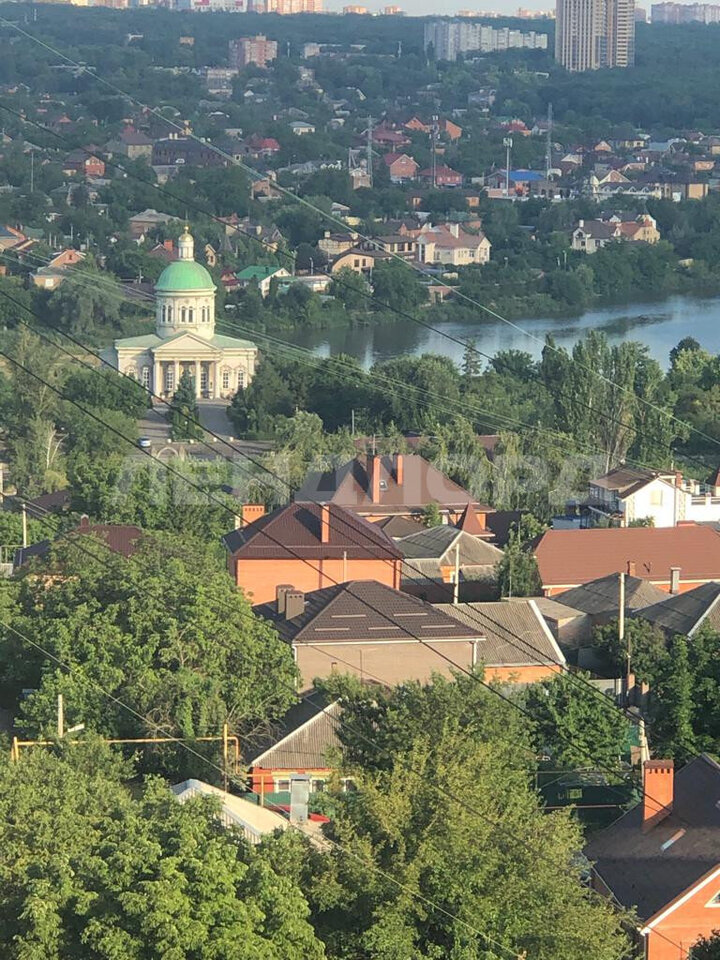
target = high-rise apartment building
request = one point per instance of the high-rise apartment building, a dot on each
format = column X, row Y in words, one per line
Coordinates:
column 246, row 50
column 592, row 34
column 449, row 38
column 685, row 13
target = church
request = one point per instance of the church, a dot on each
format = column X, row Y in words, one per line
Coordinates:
column 185, row 337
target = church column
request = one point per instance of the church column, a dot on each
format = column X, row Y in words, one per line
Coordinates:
column 216, row 380
column 176, row 379
column 158, row 385
column 197, row 379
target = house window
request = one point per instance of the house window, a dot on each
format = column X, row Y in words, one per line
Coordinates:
column 656, row 498
column 226, row 379
column 282, row 786
column 145, row 377
column 317, row 786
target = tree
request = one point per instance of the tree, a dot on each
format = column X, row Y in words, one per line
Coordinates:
column 164, row 631
column 431, row 515
column 95, row 870
column 184, row 415
column 397, row 287
column 471, row 360
column 647, row 643
column 518, row 574
column 351, row 289
column 253, row 410
column 576, row 724
column 706, row 948
column 672, row 705
column 91, row 299
column 446, row 851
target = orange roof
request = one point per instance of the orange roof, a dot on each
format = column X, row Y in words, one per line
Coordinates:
column 571, row 557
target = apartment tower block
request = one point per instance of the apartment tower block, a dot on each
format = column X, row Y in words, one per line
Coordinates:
column 592, row 34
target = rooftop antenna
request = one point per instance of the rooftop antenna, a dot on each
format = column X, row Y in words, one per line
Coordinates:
column 548, row 144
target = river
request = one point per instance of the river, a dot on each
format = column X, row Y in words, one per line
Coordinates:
column 659, row 325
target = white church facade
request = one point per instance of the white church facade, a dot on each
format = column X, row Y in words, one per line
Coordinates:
column 185, row 338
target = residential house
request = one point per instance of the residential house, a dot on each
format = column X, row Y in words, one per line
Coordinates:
column 82, row 161
column 335, row 244
column 590, row 236
column 451, row 130
column 255, row 822
column 450, row 244
column 517, row 645
column 301, row 127
column 358, row 259
column 133, row 144
column 52, row 275
column 401, row 167
column 571, row 628
column 260, row 276
column 666, row 499
column 269, row 236
column 179, row 150
column 118, row 538
column 308, row 545
column 662, row 858
column 417, row 126
column 256, row 147
column 672, row 558
column 401, row 485
column 386, row 137
column 435, row 559
column 371, row 631
column 10, row 238
column 142, row 223
column 685, row 613
column 398, row 244
column 300, row 745
column 518, row 182
column 600, row 599
column 441, row 176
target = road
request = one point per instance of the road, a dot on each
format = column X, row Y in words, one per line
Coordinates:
column 213, row 417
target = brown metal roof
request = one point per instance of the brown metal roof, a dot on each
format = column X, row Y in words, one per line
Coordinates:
column 296, row 531
column 572, row 557
column 362, row 611
column 644, row 869
column 350, row 486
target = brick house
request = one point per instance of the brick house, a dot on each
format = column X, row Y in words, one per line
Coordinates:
column 311, row 546
column 449, row 243
column 675, row 559
column 444, row 176
column 371, row 631
column 402, row 485
column 401, row 167
column 53, row 273
column 663, row 857
column 83, row 162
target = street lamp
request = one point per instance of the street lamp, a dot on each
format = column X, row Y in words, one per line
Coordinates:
column 507, row 143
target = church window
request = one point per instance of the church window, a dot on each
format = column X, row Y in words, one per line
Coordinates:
column 241, row 379
column 183, row 314
column 145, row 377
column 164, row 313
column 169, row 313
column 226, row 380
column 190, row 314
column 170, row 378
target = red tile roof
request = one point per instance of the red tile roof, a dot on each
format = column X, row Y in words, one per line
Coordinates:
column 571, row 557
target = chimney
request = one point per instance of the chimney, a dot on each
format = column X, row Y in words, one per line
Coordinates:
column 294, row 604
column 324, row 523
column 658, row 788
column 631, row 568
column 280, row 591
column 84, row 522
column 374, row 477
column 251, row 512
column 675, row 579
column 399, row 469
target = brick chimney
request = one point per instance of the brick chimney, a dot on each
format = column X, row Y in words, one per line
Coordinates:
column 84, row 522
column 251, row 512
column 280, row 592
column 324, row 523
column 658, row 789
column 374, row 477
column 631, row 568
column 399, row 469
column 675, row 579
column 294, row 604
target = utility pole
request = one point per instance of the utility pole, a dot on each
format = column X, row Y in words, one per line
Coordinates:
column 507, row 143
column 621, row 629
column 548, row 144
column 369, row 149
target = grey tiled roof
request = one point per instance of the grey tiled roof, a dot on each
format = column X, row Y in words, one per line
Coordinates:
column 602, row 596
column 306, row 734
column 515, row 633
column 634, row 865
column 684, row 612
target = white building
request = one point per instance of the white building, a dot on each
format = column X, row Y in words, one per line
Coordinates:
column 185, row 338
column 666, row 499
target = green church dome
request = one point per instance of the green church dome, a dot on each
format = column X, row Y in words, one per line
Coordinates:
column 184, row 275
